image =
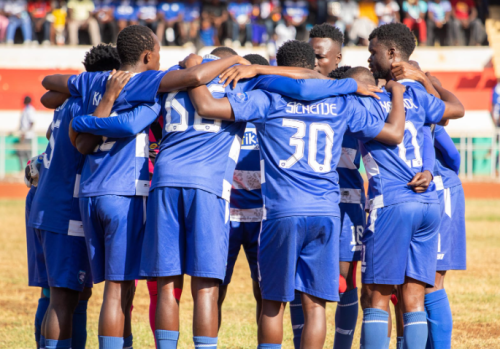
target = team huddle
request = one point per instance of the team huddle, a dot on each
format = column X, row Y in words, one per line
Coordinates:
column 150, row 175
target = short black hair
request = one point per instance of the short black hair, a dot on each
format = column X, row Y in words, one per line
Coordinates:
column 256, row 59
column 223, row 49
column 361, row 73
column 101, row 58
column 294, row 53
column 326, row 30
column 133, row 41
column 339, row 72
column 27, row 100
column 397, row 35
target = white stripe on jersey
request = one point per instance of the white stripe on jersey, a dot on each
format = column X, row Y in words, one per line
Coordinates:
column 234, row 152
column 142, row 187
column 371, row 166
column 142, row 145
column 246, row 180
column 347, row 159
column 76, row 188
column 376, row 202
column 246, row 215
column 76, row 228
column 226, row 190
column 350, row 196
column 438, row 181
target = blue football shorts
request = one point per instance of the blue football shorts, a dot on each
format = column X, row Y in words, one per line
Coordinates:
column 353, row 220
column 37, row 271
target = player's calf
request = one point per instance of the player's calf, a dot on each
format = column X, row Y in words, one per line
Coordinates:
column 270, row 333
column 167, row 311
column 205, row 292
column 414, row 316
column 314, row 332
column 439, row 317
column 375, row 303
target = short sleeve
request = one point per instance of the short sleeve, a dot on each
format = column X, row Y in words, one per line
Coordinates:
column 144, row 86
column 395, row 6
column 250, row 106
column 405, row 6
column 434, row 109
column 379, row 9
column 363, row 124
column 446, row 6
column 423, row 6
column 77, row 84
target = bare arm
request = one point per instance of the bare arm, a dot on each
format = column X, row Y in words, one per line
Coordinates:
column 196, row 75
column 411, row 70
column 394, row 128
column 208, row 106
column 454, row 109
column 53, row 100
column 57, row 82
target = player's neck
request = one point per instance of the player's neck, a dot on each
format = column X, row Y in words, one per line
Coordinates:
column 136, row 68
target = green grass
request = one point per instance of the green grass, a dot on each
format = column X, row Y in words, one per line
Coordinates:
column 474, row 294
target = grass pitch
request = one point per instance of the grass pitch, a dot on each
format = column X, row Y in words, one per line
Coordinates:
column 474, row 294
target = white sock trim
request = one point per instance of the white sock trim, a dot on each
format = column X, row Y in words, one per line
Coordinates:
column 375, row 321
column 347, row 305
column 416, row 323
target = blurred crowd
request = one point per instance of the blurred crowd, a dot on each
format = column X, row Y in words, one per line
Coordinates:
column 239, row 22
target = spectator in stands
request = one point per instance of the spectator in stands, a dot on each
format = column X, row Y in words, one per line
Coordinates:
column 17, row 12
column 215, row 11
column 80, row 18
column 208, row 34
column 170, row 17
column 438, row 23
column 147, row 13
column 259, row 30
column 38, row 10
column 270, row 13
column 495, row 105
column 349, row 12
column 297, row 11
column 284, row 32
column 4, row 22
column 467, row 28
column 104, row 13
column 191, row 22
column 240, row 12
column 27, row 133
column 414, row 18
column 58, row 28
column 387, row 12
column 333, row 16
column 364, row 25
column 125, row 14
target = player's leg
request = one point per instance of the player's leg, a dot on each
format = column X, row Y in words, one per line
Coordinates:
column 270, row 333
column 43, row 304
column 439, row 318
column 251, row 247
column 59, row 317
column 220, row 301
column 420, row 271
column 258, row 299
column 375, row 304
column 205, row 292
column 79, row 330
column 167, row 311
column 153, row 301
column 314, row 332
column 399, row 317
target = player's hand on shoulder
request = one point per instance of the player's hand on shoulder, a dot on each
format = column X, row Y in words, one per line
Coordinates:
column 367, row 90
column 392, row 86
column 406, row 70
column 435, row 81
column 420, row 183
column 116, row 82
column 191, row 61
column 238, row 72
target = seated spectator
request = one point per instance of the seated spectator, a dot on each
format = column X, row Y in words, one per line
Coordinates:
column 191, row 23
column 104, row 10
column 364, row 25
column 268, row 13
column 80, row 18
column 333, row 16
column 215, row 11
column 297, row 12
column 438, row 23
column 147, row 13
column 284, row 32
column 387, row 12
column 349, row 12
column 17, row 12
column 467, row 28
column 59, row 14
column 4, row 22
column 171, row 15
column 414, row 18
column 208, row 34
column 125, row 14
column 240, row 12
column 38, row 11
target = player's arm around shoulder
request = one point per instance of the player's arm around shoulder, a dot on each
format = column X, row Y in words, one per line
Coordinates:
column 208, row 106
column 394, row 129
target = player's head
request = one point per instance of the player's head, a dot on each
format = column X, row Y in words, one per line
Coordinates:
column 389, row 43
column 101, row 58
column 138, row 46
column 339, row 72
column 256, row 59
column 326, row 40
column 223, row 52
column 27, row 100
column 294, row 53
column 361, row 74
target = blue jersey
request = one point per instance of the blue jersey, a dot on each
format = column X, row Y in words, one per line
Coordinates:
column 246, row 197
column 171, row 10
column 119, row 165
column 390, row 168
column 297, row 10
column 301, row 144
column 495, row 110
column 352, row 190
column 146, row 9
column 125, row 10
column 55, row 207
column 191, row 11
column 447, row 160
column 196, row 152
column 240, row 11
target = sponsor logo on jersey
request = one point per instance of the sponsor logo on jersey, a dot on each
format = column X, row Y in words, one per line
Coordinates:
column 81, row 276
column 250, row 140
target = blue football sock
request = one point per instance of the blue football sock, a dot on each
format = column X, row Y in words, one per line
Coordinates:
column 128, row 342
column 439, row 320
column 205, row 342
column 166, row 339
column 79, row 330
column 346, row 317
column 387, row 342
column 42, row 342
column 43, row 304
column 269, row 346
column 399, row 343
column 297, row 317
column 58, row 344
column 110, row 342
column 374, row 328
column 415, row 330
